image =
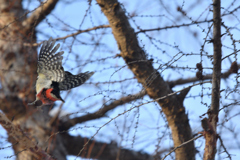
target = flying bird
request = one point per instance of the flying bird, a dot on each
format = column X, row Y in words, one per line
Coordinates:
column 51, row 75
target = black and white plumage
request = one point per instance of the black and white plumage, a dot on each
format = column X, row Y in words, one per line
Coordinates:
column 51, row 75
column 49, row 65
column 71, row 81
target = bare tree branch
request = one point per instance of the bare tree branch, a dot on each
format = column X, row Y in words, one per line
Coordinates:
column 211, row 133
column 21, row 138
column 39, row 14
column 154, row 84
column 70, row 35
column 173, row 26
column 224, row 148
column 100, row 150
column 181, row 81
column 181, row 146
column 101, row 112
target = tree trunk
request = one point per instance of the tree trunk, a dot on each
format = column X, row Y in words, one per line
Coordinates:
column 32, row 131
column 18, row 76
column 210, row 127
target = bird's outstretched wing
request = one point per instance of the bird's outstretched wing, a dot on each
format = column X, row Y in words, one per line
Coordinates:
column 49, row 63
column 72, row 81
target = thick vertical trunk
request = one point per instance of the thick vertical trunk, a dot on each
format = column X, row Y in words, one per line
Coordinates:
column 18, row 63
column 18, row 72
column 211, row 125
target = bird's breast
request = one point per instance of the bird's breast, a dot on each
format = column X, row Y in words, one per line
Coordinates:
column 42, row 82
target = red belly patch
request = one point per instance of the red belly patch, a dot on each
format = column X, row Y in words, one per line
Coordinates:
column 45, row 96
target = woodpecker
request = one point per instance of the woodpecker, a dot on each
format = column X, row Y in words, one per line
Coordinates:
column 51, row 75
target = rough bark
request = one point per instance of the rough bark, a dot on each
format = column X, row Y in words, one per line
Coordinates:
column 16, row 134
column 18, row 65
column 31, row 131
column 154, row 84
column 100, row 150
column 18, row 76
column 210, row 127
column 17, row 62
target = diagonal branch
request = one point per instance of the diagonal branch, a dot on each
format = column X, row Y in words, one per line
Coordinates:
column 21, row 138
column 153, row 83
column 101, row 112
column 173, row 26
column 100, row 150
column 224, row 148
column 70, row 35
column 181, row 146
column 39, row 14
column 181, row 81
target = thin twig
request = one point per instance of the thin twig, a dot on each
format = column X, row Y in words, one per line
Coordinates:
column 171, row 94
column 224, row 148
column 173, row 26
column 181, row 146
column 70, row 35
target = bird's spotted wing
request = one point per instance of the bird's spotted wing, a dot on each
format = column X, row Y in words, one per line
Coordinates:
column 49, row 63
column 71, row 81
